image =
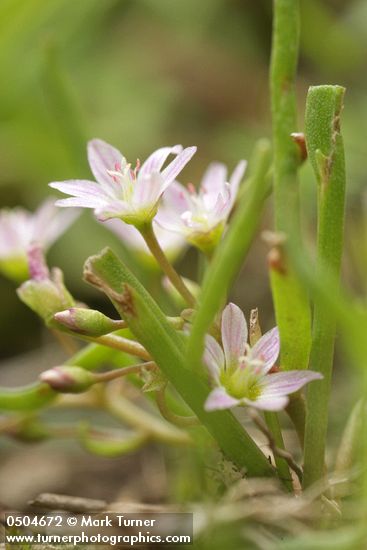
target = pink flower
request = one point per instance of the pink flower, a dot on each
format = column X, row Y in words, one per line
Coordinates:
column 19, row 228
column 121, row 192
column 201, row 216
column 171, row 243
column 242, row 374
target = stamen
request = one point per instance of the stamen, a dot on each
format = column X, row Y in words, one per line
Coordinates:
column 115, row 175
column 247, row 349
column 137, row 167
column 186, row 217
column 191, row 188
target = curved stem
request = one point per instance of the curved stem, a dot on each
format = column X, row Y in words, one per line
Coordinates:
column 276, row 437
column 92, row 356
column 181, row 421
column 122, row 344
column 116, row 342
column 169, row 270
column 26, row 398
column 134, row 416
column 124, row 371
column 108, row 445
column 66, row 343
column 278, row 452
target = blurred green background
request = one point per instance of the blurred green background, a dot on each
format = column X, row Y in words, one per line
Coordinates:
column 144, row 73
column 141, row 74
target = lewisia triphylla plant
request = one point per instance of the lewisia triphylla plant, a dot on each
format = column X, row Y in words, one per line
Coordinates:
column 243, row 375
column 239, row 374
column 120, row 191
column 128, row 201
column 200, row 216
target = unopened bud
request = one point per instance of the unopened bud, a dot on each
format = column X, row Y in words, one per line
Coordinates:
column 66, row 379
column 87, row 321
column 38, row 268
column 45, row 293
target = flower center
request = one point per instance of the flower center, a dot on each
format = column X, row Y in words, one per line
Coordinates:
column 243, row 381
column 125, row 177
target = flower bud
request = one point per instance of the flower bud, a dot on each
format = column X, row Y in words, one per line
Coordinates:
column 45, row 293
column 66, row 379
column 87, row 321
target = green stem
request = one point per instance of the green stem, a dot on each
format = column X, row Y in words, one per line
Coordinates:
column 290, row 299
column 124, row 371
column 26, row 398
column 291, row 304
column 155, row 248
column 326, row 152
column 116, row 342
column 271, row 418
column 350, row 452
column 273, row 424
column 178, row 420
column 105, row 445
column 93, row 356
column 38, row 395
column 167, row 348
column 140, row 420
column 230, row 254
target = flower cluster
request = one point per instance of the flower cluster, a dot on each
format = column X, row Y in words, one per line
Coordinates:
column 150, row 191
column 243, row 375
